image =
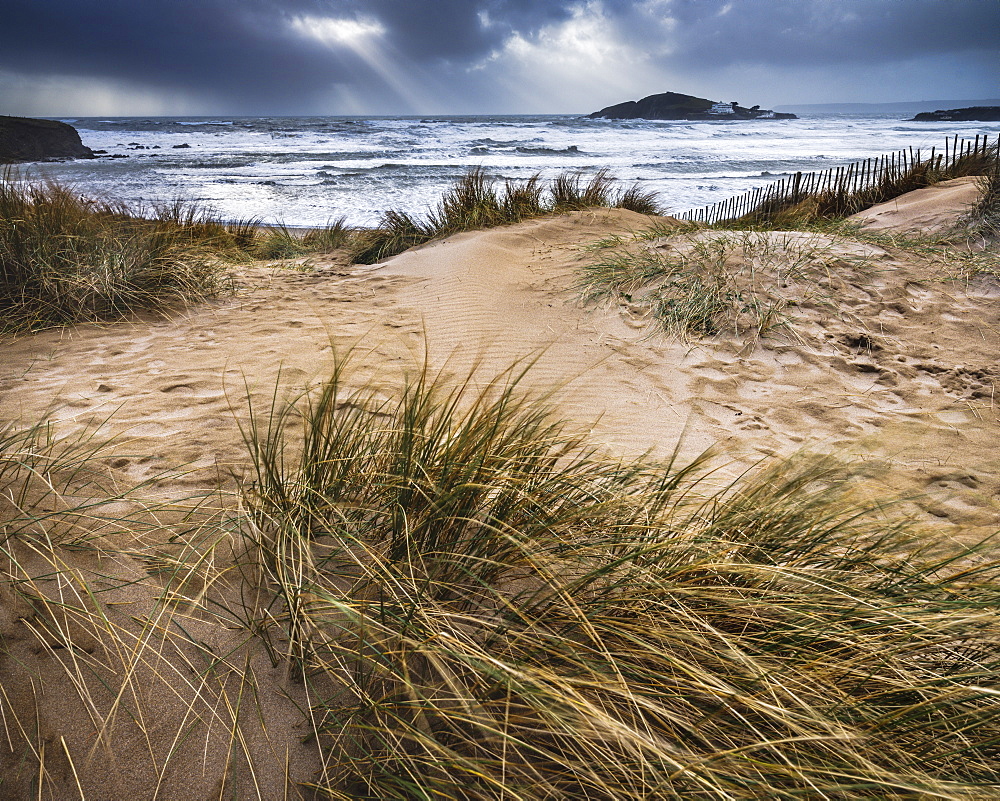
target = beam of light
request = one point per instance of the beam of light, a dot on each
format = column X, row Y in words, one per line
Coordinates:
column 365, row 38
column 575, row 61
column 337, row 32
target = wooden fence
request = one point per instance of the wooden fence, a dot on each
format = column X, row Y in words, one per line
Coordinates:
column 858, row 185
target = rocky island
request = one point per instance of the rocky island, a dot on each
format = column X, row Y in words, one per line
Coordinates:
column 675, row 106
column 27, row 139
column 970, row 114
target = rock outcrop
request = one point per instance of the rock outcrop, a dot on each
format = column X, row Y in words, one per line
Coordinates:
column 970, row 114
column 27, row 139
column 675, row 106
column 666, row 106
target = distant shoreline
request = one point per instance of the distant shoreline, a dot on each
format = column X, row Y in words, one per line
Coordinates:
column 902, row 107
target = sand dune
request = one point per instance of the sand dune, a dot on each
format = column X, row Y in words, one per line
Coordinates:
column 882, row 362
column 932, row 209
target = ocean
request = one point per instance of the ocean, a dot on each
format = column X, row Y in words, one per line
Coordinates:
column 306, row 171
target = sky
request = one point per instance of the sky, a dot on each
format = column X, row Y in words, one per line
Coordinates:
column 289, row 57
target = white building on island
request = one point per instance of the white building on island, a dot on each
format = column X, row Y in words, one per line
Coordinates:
column 721, row 108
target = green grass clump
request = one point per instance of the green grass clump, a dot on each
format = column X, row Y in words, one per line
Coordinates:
column 64, row 259
column 397, row 231
column 696, row 283
column 482, row 606
column 282, row 242
column 474, row 202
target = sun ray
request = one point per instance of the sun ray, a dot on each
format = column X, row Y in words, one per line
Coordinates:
column 366, row 39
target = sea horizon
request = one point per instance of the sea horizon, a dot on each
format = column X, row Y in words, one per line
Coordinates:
column 306, row 170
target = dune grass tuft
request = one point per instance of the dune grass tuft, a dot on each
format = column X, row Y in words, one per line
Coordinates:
column 475, row 202
column 483, row 606
column 964, row 252
column 695, row 283
column 65, row 258
column 983, row 219
column 282, row 242
column 464, row 598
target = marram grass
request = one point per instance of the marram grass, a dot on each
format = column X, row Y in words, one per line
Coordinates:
column 693, row 282
column 703, row 283
column 66, row 258
column 485, row 607
column 836, row 201
column 983, row 218
column 63, row 259
column 472, row 602
column 474, row 202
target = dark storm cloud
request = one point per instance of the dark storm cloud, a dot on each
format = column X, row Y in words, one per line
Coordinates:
column 453, row 29
column 823, row 32
column 247, row 53
column 247, row 50
column 215, row 47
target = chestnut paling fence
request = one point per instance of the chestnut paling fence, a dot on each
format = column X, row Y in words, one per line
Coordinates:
column 845, row 190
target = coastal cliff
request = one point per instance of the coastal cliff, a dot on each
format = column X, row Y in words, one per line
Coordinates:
column 970, row 114
column 676, row 106
column 27, row 139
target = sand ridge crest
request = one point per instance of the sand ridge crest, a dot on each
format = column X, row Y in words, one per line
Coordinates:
column 933, row 209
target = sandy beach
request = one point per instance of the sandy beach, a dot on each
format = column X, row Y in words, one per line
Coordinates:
column 887, row 359
column 887, row 363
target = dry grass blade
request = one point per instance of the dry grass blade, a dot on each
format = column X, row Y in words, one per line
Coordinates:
column 117, row 653
column 496, row 610
column 53, row 488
